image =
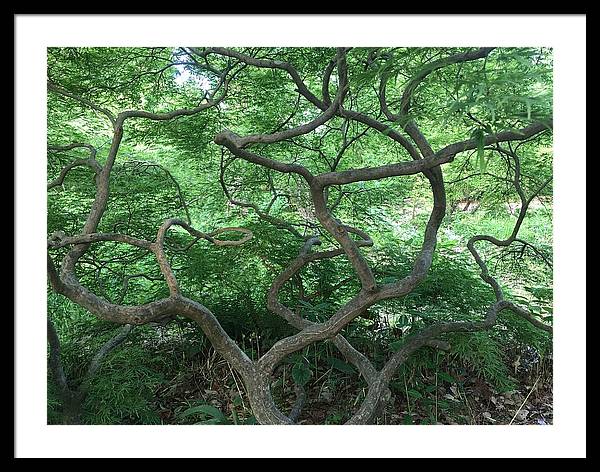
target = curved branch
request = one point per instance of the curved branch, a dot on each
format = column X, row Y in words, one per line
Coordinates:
column 106, row 349
column 59, row 239
column 182, row 200
column 91, row 163
column 341, row 233
column 326, row 78
column 363, row 365
column 306, row 93
column 231, row 141
column 525, row 202
column 419, row 165
column 502, row 136
column 210, row 237
column 69, row 147
column 420, row 76
column 236, row 143
column 84, row 101
column 277, row 222
column 296, row 131
column 54, row 361
column 375, row 173
column 262, row 63
column 426, row 337
column 169, row 115
column 210, row 103
column 142, row 314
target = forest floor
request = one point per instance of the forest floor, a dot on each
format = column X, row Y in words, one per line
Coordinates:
column 477, row 403
column 469, row 401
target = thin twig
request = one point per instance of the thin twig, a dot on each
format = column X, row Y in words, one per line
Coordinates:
column 524, row 401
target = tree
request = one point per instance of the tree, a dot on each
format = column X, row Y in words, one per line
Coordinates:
column 499, row 97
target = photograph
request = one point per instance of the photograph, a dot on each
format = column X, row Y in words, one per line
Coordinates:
column 227, row 247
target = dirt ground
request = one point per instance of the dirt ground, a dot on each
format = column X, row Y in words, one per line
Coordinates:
column 470, row 400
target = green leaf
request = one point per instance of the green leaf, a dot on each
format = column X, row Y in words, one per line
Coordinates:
column 447, row 377
column 237, row 400
column 323, row 306
column 301, row 373
column 341, row 365
column 479, row 137
column 414, row 393
column 456, row 106
column 306, row 304
column 212, row 421
column 483, row 162
column 250, row 420
column 206, row 409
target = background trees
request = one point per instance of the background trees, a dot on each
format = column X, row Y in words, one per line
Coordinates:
column 342, row 149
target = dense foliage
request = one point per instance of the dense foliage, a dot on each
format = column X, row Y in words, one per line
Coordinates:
column 165, row 370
